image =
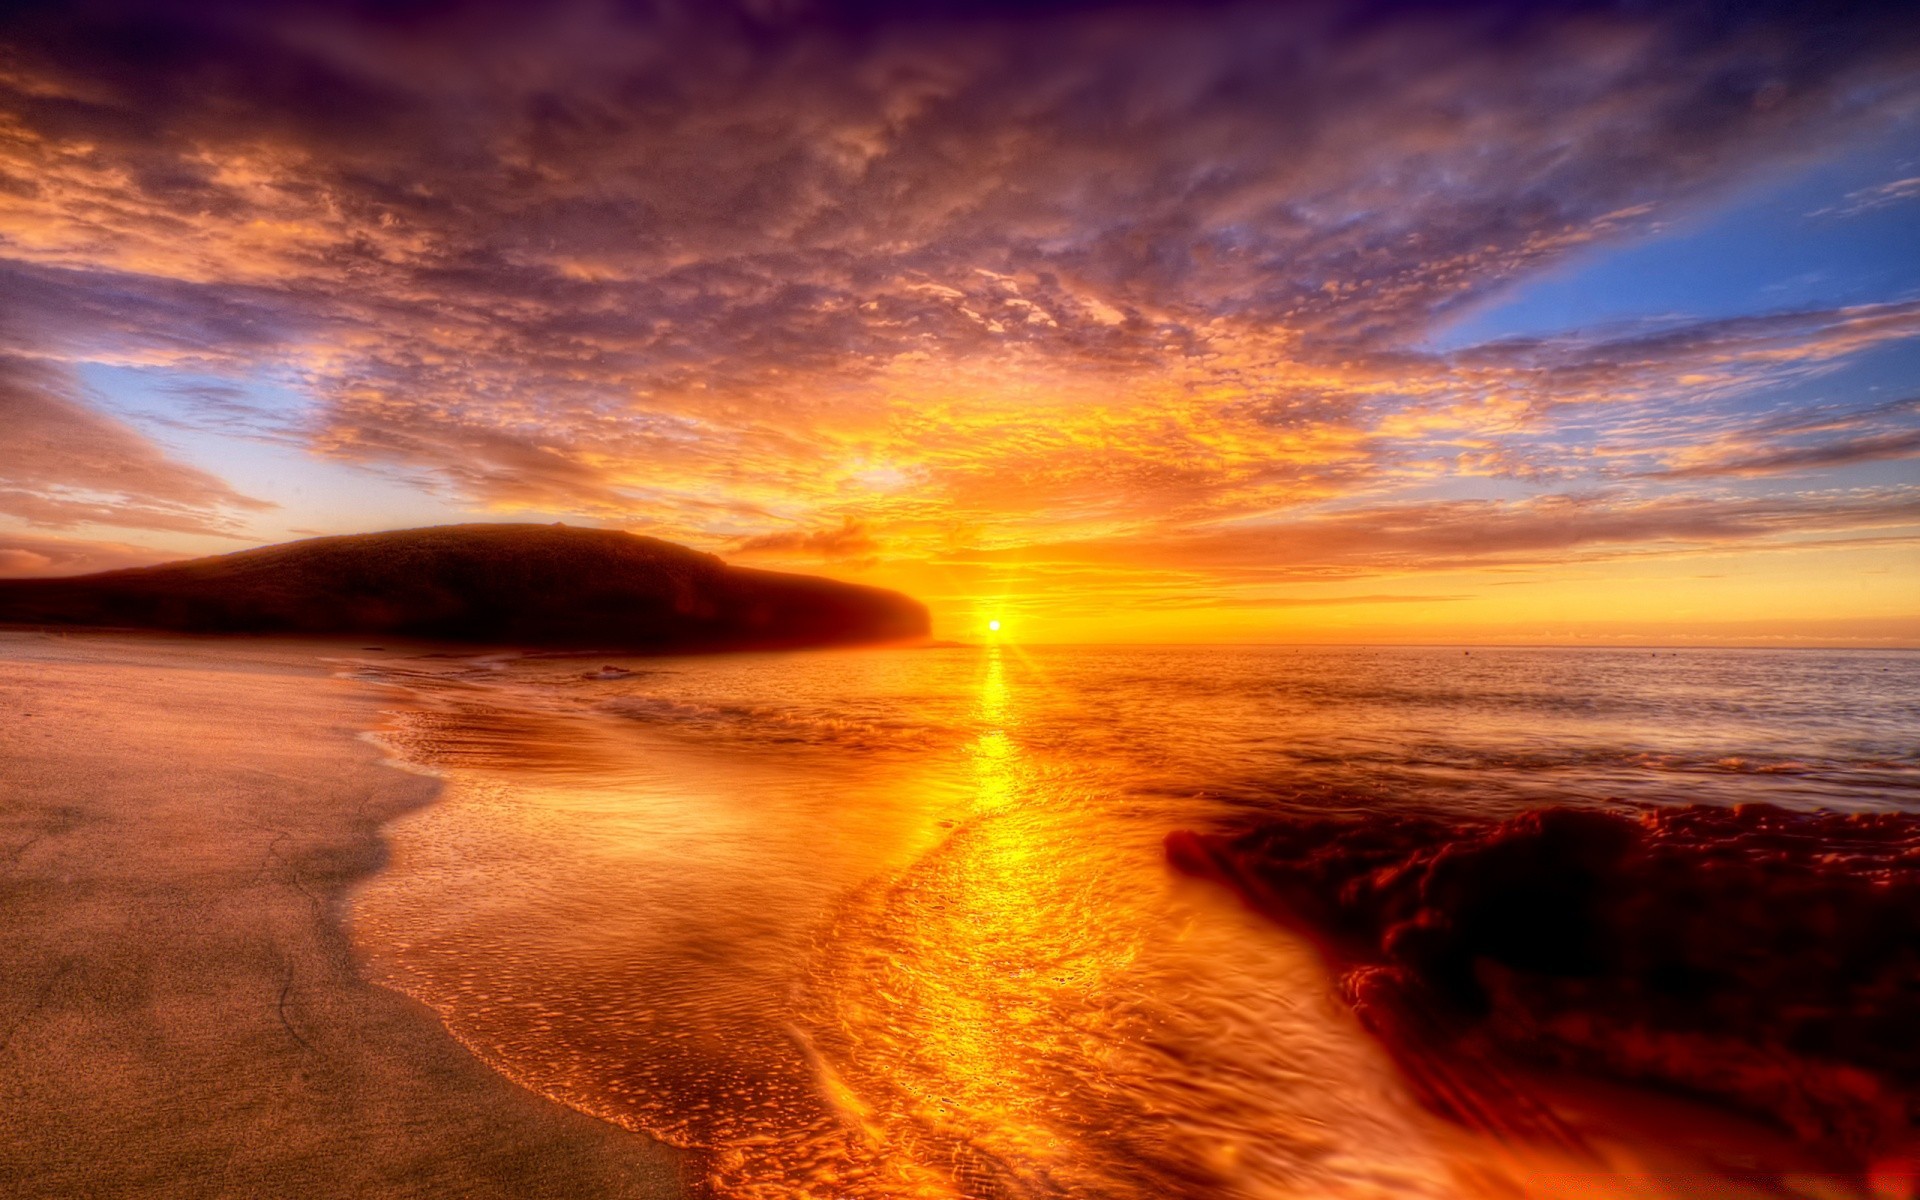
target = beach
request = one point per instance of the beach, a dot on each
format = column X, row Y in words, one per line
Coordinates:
column 325, row 919
column 181, row 1012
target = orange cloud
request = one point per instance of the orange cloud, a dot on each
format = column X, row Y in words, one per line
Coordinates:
column 1099, row 288
column 63, row 464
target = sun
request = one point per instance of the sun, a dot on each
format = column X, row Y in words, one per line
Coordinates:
column 993, row 626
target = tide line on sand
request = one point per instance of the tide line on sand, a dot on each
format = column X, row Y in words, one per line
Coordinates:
column 181, row 1013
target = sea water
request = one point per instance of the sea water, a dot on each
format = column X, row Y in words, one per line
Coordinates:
column 897, row 922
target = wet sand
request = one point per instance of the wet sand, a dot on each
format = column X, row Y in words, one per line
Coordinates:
column 181, row 1013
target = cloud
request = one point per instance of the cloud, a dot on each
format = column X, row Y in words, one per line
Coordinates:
column 1844, row 452
column 24, row 555
column 1821, row 438
column 851, row 540
column 1487, row 534
column 853, row 281
column 63, row 464
column 1896, row 191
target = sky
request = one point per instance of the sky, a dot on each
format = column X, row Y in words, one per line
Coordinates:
column 1285, row 322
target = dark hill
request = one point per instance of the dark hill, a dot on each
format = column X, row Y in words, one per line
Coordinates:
column 528, row 585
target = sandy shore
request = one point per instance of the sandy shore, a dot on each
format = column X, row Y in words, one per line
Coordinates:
column 180, row 1011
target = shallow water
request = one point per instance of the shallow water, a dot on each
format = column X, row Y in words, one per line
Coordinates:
column 897, row 922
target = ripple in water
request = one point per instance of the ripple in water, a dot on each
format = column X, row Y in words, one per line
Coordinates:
column 898, row 924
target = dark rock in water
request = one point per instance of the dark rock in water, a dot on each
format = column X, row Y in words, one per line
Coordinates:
column 523, row 585
column 1766, row 959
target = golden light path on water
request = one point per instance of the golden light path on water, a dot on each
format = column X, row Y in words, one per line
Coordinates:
column 962, row 971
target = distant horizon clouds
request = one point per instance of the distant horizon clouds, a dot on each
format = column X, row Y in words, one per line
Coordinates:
column 1406, row 321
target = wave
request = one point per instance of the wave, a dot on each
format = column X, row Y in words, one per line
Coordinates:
column 1764, row 958
column 782, row 725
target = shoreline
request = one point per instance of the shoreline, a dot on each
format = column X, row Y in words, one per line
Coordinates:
column 183, row 1012
column 381, row 1014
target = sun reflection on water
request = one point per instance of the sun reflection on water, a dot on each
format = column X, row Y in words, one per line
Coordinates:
column 962, row 971
column 964, row 975
column 994, row 697
column 1016, row 1012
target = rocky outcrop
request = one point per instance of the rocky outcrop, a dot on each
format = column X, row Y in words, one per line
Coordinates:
column 518, row 585
column 1765, row 959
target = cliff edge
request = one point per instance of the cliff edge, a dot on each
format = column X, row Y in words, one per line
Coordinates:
column 522, row 585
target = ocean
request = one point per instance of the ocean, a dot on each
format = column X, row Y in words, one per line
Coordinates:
column 898, row 922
